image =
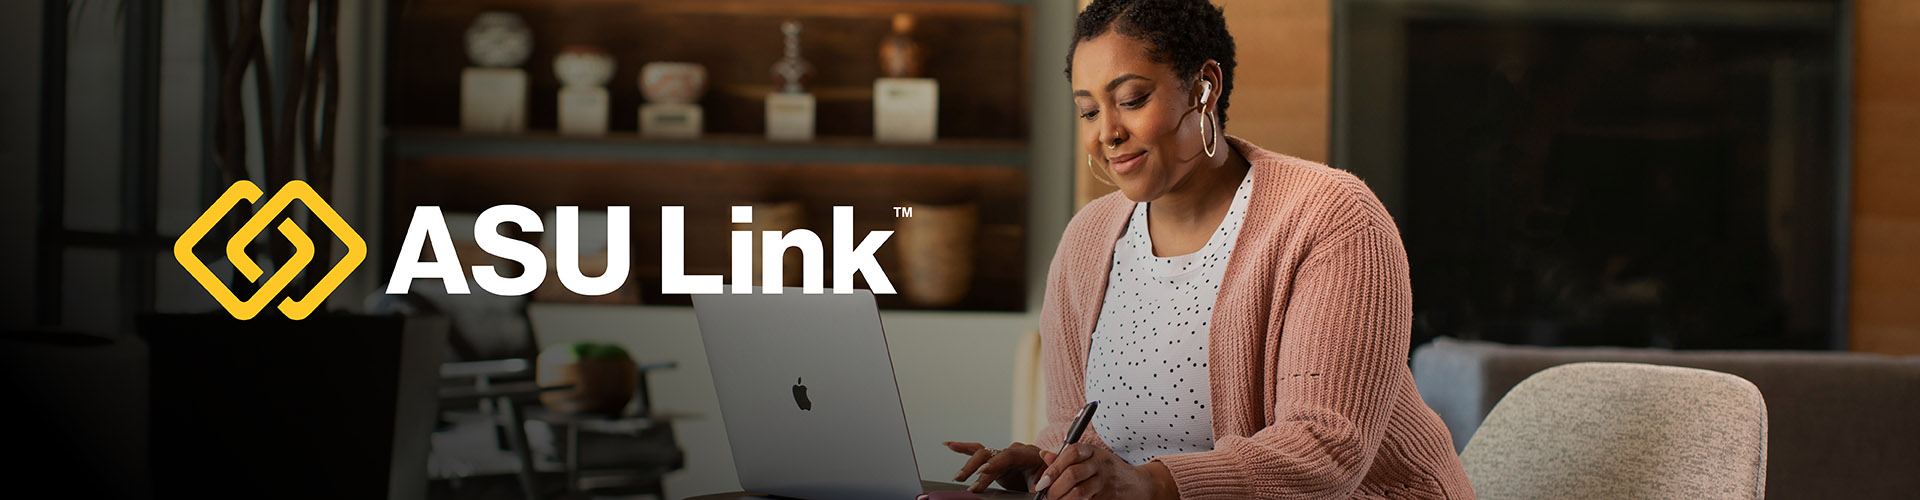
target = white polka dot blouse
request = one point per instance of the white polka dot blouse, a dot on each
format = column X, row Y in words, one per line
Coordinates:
column 1148, row 361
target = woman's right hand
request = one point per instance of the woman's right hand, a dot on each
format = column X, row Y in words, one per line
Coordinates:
column 1016, row 467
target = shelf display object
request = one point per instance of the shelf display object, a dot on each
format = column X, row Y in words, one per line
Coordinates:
column 778, row 218
column 673, row 91
column 906, row 107
column 583, row 71
column 790, row 107
column 936, row 251
column 493, row 92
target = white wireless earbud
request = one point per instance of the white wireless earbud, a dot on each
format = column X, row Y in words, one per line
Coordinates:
column 1206, row 91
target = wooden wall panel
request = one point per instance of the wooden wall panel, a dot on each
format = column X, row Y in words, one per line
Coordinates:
column 1885, row 283
column 1280, row 86
column 1281, row 102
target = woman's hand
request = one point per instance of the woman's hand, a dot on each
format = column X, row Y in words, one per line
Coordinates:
column 1016, row 467
column 1087, row 472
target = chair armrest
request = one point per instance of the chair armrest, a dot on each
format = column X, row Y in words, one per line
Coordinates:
column 489, row 368
column 502, row 390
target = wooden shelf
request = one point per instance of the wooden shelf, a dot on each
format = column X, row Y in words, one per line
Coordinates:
column 878, row 9
column 727, row 148
column 977, row 50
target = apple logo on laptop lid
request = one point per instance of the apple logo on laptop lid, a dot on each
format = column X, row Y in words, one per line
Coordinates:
column 800, row 395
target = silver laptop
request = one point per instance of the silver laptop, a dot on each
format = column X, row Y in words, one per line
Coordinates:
column 807, row 391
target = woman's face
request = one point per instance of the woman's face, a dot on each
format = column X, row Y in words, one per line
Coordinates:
column 1123, row 97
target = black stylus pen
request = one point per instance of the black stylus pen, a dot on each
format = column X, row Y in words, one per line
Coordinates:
column 1073, row 435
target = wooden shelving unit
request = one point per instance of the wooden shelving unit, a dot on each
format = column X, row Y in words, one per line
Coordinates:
column 731, row 148
column 977, row 49
column 986, row 9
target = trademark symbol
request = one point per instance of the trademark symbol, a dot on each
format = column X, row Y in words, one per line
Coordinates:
column 901, row 212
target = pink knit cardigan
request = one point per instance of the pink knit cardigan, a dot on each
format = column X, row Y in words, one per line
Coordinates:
column 1307, row 354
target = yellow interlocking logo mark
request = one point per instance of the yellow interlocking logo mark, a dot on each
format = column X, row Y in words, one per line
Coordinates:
column 237, row 253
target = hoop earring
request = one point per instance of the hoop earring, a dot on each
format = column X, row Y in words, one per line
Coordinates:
column 1096, row 173
column 1213, row 146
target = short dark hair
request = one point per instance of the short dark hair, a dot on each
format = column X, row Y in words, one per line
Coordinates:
column 1180, row 33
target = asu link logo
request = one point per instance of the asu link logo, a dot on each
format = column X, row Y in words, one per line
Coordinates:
column 237, row 253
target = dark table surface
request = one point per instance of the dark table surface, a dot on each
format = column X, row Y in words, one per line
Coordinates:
column 991, row 494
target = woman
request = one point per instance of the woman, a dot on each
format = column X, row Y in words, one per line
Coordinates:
column 1242, row 315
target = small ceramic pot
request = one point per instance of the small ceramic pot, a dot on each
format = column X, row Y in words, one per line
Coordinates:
column 936, row 253
column 673, row 82
column 602, row 383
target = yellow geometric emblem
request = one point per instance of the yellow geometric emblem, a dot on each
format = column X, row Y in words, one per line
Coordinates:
column 237, row 254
